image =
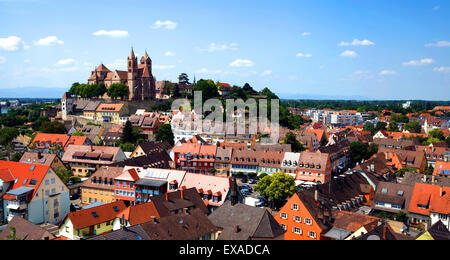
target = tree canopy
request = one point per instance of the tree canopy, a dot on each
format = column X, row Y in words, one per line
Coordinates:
column 276, row 187
column 296, row 145
column 118, row 90
column 164, row 133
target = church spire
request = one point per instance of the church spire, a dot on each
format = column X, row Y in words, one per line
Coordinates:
column 132, row 53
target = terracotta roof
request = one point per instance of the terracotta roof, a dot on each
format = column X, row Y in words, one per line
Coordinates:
column 429, row 197
column 270, row 158
column 42, row 138
column 105, row 173
column 76, row 140
column 128, row 175
column 91, row 151
column 27, row 175
column 141, row 213
column 86, row 217
column 103, row 68
column 109, row 107
column 38, row 158
column 5, row 175
column 208, row 183
column 442, row 168
column 352, row 221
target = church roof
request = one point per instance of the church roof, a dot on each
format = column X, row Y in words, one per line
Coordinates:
column 102, row 67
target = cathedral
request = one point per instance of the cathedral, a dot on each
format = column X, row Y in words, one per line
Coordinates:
column 138, row 77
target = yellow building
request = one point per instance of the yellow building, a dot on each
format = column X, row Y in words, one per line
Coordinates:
column 111, row 113
column 100, row 186
column 90, row 222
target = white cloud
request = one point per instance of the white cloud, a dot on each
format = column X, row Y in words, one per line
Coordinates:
column 437, row 7
column 387, row 72
column 212, row 47
column 306, row 34
column 10, row 44
column 168, row 25
column 207, row 71
column 418, row 62
column 64, row 62
column 48, row 41
column 266, row 73
column 2, row 60
column 293, row 77
column 357, row 42
column 442, row 69
column 438, row 44
column 304, row 55
column 27, row 61
column 69, row 69
column 349, row 54
column 163, row 67
column 112, row 33
column 242, row 63
column 170, row 54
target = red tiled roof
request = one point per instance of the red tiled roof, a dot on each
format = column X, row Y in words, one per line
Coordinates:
column 430, row 196
column 5, row 175
column 85, row 218
column 25, row 171
column 109, row 107
column 76, row 140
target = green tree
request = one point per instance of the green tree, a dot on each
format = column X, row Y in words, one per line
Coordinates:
column 373, row 149
column 413, row 127
column 127, row 147
column 296, row 145
column 16, row 156
column 276, row 187
column 183, row 78
column 393, row 126
column 78, row 133
column 437, row 133
column 447, row 140
column 429, row 170
column 368, row 126
column 99, row 90
column 238, row 93
column 127, row 133
column 54, row 127
column 64, row 174
column 358, row 151
column 7, row 135
column 164, row 133
column 117, row 90
column 380, row 126
column 402, row 171
column 208, row 88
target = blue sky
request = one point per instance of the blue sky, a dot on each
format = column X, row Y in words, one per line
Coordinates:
column 377, row 49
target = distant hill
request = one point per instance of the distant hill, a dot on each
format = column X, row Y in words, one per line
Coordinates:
column 321, row 97
column 32, row 92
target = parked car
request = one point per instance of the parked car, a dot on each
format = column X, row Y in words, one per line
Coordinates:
column 245, row 192
column 263, row 201
column 245, row 186
column 244, row 179
column 253, row 181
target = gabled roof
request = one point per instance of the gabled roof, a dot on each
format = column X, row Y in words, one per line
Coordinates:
column 27, row 175
column 207, row 182
column 251, row 222
column 149, row 147
column 429, row 196
column 86, row 217
column 352, row 221
column 5, row 175
column 182, row 226
column 104, row 107
column 129, row 175
column 25, row 230
column 172, row 201
column 103, row 68
column 38, row 158
column 140, row 213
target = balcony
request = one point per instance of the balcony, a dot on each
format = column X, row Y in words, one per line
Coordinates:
column 17, row 205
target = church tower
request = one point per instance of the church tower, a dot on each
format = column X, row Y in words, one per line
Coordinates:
column 132, row 74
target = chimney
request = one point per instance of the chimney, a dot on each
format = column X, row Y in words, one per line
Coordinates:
column 92, row 148
column 316, row 195
column 384, row 231
column 182, row 194
column 39, row 155
column 236, row 229
column 441, row 191
column 433, row 179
